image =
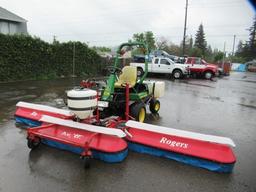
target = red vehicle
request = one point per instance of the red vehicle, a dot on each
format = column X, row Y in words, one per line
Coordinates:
column 200, row 67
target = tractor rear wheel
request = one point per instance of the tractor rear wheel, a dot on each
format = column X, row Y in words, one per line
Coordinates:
column 154, row 106
column 138, row 112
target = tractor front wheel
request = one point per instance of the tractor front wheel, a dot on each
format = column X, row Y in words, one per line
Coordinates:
column 154, row 106
column 138, row 112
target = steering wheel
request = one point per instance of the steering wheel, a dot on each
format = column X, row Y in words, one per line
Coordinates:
column 114, row 70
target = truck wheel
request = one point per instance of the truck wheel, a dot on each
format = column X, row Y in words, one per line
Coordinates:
column 154, row 106
column 208, row 75
column 138, row 111
column 140, row 72
column 177, row 74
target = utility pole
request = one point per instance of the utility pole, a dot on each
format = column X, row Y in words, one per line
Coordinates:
column 74, row 53
column 224, row 55
column 234, row 42
column 185, row 28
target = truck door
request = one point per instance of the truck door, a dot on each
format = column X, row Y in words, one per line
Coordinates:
column 155, row 67
column 196, row 65
column 199, row 65
column 190, row 62
column 150, row 65
column 164, row 66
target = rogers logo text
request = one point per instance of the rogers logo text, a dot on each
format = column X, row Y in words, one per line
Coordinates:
column 172, row 143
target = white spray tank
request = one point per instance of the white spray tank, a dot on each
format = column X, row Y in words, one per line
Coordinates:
column 82, row 102
column 158, row 86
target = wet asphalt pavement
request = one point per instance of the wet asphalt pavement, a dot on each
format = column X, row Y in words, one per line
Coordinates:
column 226, row 107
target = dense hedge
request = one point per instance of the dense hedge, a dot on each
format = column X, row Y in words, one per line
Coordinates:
column 26, row 57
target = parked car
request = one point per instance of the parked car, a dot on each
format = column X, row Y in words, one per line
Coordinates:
column 200, row 67
column 251, row 65
column 163, row 65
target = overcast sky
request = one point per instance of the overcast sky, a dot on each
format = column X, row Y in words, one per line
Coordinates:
column 111, row 22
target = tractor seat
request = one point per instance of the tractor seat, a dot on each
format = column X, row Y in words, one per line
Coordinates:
column 129, row 75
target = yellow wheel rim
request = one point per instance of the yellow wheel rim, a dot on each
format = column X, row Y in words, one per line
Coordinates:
column 142, row 115
column 157, row 107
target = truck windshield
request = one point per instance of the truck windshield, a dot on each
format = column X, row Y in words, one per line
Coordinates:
column 204, row 62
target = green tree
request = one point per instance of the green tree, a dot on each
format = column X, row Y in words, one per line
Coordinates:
column 252, row 40
column 244, row 51
column 150, row 40
column 200, row 42
column 101, row 49
column 196, row 52
column 139, row 37
column 247, row 51
column 209, row 54
column 218, row 56
column 240, row 49
column 25, row 57
column 174, row 49
column 146, row 37
column 188, row 45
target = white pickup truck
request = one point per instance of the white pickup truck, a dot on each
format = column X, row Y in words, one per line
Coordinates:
column 163, row 65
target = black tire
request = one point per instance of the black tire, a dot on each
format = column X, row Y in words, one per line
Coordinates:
column 177, row 74
column 87, row 162
column 33, row 144
column 140, row 72
column 208, row 75
column 138, row 111
column 154, row 106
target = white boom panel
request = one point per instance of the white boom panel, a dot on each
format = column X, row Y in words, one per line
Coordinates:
column 44, row 108
column 180, row 133
column 83, row 126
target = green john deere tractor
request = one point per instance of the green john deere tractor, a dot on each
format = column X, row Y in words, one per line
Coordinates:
column 126, row 92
